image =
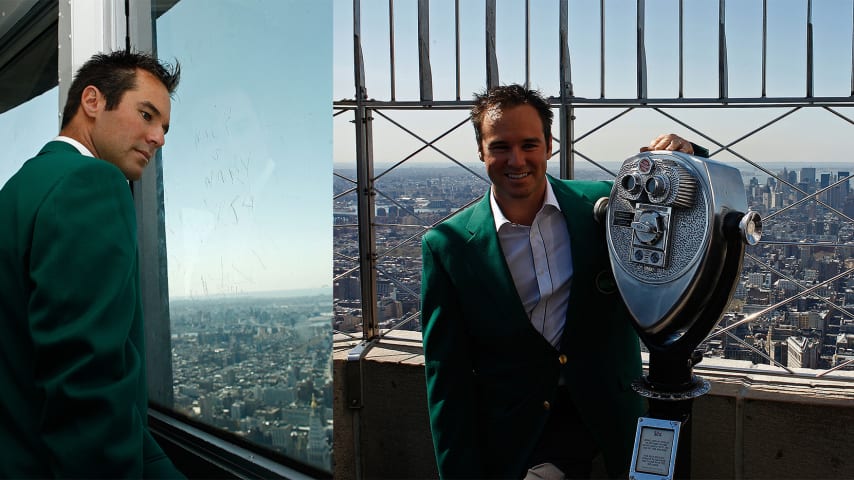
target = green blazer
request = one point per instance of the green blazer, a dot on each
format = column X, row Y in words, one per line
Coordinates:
column 490, row 373
column 72, row 358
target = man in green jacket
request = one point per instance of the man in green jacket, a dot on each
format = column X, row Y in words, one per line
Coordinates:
column 529, row 352
column 72, row 357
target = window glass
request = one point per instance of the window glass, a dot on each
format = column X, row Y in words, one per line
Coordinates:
column 25, row 129
column 246, row 170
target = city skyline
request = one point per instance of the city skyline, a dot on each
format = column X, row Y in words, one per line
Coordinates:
column 420, row 195
column 258, row 367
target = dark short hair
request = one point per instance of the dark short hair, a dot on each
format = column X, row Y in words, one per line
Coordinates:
column 508, row 96
column 114, row 74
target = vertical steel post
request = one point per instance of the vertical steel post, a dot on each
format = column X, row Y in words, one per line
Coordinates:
column 681, row 49
column 366, row 196
column 723, row 90
column 809, row 50
column 567, row 117
column 391, row 47
column 425, row 74
column 365, row 186
column 601, row 48
column 527, row 44
column 457, row 43
column 491, row 55
column 641, row 48
column 765, row 49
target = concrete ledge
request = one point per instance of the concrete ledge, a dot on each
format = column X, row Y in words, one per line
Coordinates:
column 389, row 437
column 760, row 422
column 756, row 422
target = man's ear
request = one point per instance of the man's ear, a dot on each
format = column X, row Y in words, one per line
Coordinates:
column 91, row 100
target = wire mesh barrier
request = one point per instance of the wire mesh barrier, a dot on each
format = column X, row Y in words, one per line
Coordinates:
column 769, row 90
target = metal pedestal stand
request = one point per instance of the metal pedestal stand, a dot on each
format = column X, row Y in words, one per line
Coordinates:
column 671, row 393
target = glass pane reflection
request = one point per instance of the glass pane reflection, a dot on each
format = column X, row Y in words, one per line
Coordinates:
column 25, row 129
column 246, row 171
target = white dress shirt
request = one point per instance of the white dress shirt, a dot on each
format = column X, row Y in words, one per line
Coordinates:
column 540, row 261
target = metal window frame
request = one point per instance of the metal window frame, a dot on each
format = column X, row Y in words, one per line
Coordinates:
column 216, row 449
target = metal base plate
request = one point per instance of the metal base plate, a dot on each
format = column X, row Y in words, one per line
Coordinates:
column 698, row 387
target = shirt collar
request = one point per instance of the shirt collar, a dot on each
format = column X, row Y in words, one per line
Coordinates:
column 499, row 217
column 74, row 143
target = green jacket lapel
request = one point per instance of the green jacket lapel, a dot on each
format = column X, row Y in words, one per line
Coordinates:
column 486, row 261
column 577, row 209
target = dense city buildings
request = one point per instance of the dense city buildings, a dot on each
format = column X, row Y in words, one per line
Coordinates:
column 808, row 239
column 260, row 367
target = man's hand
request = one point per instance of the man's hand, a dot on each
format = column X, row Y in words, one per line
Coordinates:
column 670, row 141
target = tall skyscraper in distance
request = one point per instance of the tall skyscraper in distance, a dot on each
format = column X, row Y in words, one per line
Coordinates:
column 806, row 181
column 318, row 451
column 792, row 177
column 839, row 194
column 846, row 186
column 802, row 352
column 807, row 175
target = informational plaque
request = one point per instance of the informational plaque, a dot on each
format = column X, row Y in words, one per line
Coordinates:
column 654, row 454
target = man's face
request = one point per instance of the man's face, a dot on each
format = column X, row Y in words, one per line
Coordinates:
column 129, row 135
column 515, row 153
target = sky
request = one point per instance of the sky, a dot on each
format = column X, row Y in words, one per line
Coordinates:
column 786, row 71
column 246, row 168
column 24, row 130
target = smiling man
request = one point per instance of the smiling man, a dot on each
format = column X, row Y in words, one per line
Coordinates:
column 529, row 352
column 72, row 357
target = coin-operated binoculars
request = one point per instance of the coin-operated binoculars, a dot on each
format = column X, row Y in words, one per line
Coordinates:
column 677, row 226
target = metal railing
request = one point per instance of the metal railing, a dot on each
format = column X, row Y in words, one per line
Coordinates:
column 366, row 113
